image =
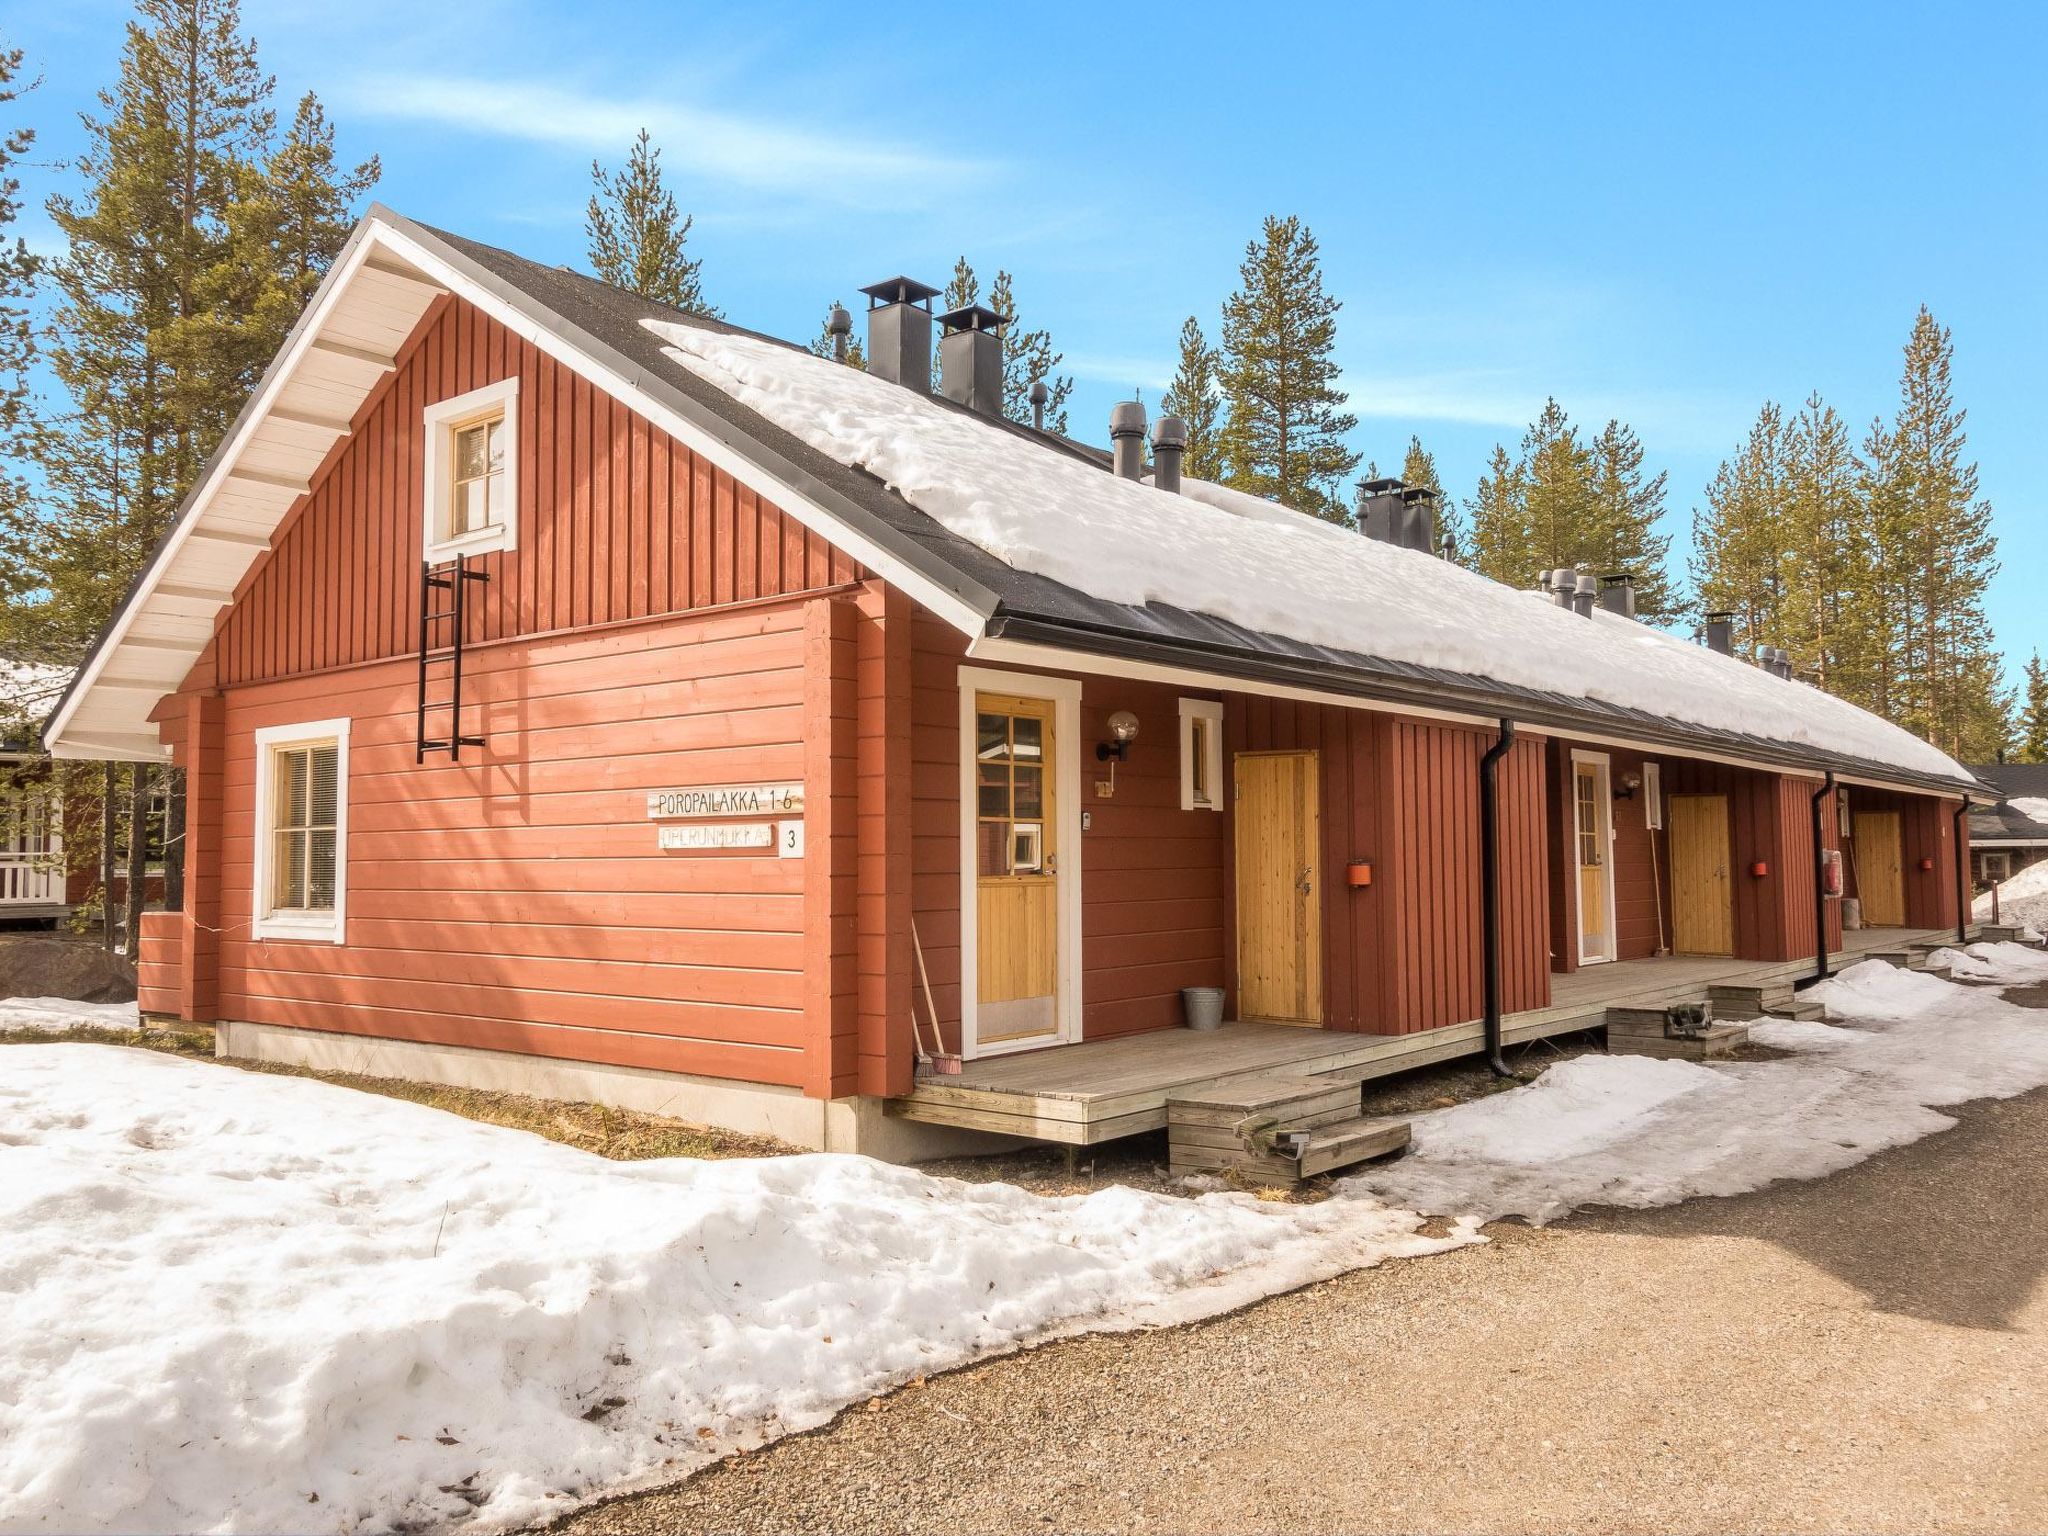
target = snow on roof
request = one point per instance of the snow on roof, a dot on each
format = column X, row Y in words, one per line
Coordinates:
column 1220, row 552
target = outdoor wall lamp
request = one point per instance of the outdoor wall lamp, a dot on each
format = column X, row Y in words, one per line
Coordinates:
column 1626, row 786
column 1123, row 730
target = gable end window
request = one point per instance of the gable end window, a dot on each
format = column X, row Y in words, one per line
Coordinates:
column 472, row 462
column 1201, row 755
column 301, row 832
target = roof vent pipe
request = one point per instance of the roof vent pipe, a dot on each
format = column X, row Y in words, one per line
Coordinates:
column 1381, row 513
column 839, row 326
column 1720, row 631
column 1169, row 442
column 1618, row 594
column 1561, row 583
column 971, row 358
column 1127, row 438
column 1039, row 396
column 1585, row 593
column 900, row 332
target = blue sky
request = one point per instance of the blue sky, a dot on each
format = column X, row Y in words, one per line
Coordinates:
column 1668, row 214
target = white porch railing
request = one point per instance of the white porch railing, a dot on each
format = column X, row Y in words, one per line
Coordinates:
column 29, row 882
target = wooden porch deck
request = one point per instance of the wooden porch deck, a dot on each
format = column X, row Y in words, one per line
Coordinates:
column 1102, row 1089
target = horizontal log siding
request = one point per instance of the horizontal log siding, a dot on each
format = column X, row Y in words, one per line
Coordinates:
column 1403, row 953
column 1152, row 881
column 617, row 521
column 159, row 970
column 517, row 901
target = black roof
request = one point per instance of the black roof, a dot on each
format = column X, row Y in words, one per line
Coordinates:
column 605, row 323
column 2001, row 823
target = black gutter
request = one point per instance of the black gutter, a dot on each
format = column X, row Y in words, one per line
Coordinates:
column 1489, row 891
column 1820, row 894
column 1962, row 877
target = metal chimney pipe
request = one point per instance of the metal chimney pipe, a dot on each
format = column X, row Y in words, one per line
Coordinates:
column 1127, row 438
column 1039, row 396
column 839, row 324
column 971, row 358
column 900, row 332
column 1618, row 594
column 1561, row 583
column 1381, row 514
column 1419, row 518
column 1720, row 633
column 1585, row 593
column 1169, row 442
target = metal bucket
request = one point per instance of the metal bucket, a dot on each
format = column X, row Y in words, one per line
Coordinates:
column 1204, row 1006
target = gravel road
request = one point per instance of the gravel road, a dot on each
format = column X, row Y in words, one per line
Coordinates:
column 1866, row 1353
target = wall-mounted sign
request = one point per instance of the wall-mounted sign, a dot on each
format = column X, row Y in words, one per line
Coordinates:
column 727, row 800
column 789, row 839
column 736, row 834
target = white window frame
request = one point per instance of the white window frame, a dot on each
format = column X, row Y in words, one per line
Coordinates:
column 1653, row 796
column 1210, row 710
column 442, row 421
column 305, row 926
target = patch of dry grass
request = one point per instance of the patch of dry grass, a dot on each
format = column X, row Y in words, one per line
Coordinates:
column 622, row 1135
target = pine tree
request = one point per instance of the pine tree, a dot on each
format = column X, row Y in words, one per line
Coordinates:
column 1284, row 425
column 2032, row 725
column 1738, row 553
column 153, row 368
column 1418, row 468
column 1500, row 545
column 1557, row 480
column 18, row 269
column 1824, row 624
column 638, row 236
column 1193, row 398
column 1947, row 557
column 1626, row 508
column 823, row 345
column 1027, row 358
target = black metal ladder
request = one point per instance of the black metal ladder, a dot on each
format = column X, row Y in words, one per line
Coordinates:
column 453, row 578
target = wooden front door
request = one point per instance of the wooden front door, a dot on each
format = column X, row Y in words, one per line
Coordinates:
column 1279, row 887
column 1593, row 844
column 1017, row 871
column 1702, row 889
column 1880, row 868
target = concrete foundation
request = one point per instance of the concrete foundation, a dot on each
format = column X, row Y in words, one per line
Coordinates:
column 752, row 1109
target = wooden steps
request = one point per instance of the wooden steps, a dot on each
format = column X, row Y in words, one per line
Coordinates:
column 1648, row 1032
column 1275, row 1127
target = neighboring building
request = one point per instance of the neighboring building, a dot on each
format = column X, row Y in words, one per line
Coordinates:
column 32, row 865
column 2010, row 834
column 580, row 696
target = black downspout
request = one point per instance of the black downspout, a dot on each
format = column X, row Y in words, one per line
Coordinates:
column 1962, row 877
column 1489, row 891
column 1820, row 895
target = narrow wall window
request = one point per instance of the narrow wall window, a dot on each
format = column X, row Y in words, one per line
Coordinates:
column 1201, row 755
column 301, row 833
column 472, row 462
column 1653, row 796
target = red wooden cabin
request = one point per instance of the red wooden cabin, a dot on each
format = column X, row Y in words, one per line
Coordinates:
column 567, row 708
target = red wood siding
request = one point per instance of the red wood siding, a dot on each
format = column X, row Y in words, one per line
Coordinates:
column 159, row 974
column 617, row 521
column 517, row 900
column 1152, row 882
column 1403, row 953
column 1926, row 831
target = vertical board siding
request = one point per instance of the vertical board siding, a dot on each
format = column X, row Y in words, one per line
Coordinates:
column 517, row 900
column 1152, row 875
column 1404, row 953
column 616, row 521
column 1926, row 832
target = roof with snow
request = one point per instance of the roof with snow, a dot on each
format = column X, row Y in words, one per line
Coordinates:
column 27, row 690
column 1012, row 535
column 2020, row 816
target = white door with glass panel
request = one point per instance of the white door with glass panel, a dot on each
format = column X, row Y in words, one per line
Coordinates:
column 1593, row 843
column 1017, row 855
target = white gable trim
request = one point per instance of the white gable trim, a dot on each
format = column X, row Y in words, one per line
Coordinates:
column 240, row 530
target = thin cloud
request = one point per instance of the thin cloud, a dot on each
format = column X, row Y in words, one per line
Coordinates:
column 824, row 164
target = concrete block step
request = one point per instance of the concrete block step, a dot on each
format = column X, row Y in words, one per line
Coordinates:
column 1720, row 1038
column 1797, row 1008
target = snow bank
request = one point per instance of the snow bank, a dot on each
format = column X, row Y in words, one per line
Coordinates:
column 239, row 1302
column 1220, row 552
column 54, row 1015
column 1628, row 1131
column 2021, row 899
column 2008, row 964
